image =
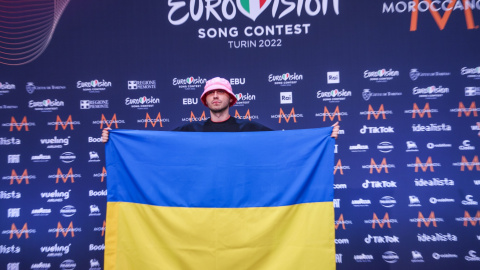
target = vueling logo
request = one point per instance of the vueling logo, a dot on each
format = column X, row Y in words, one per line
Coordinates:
column 18, row 232
column 20, row 179
column 433, row 7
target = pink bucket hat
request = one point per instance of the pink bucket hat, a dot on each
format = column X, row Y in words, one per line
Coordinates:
column 218, row 83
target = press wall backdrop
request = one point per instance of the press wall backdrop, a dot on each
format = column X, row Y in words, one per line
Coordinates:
column 401, row 77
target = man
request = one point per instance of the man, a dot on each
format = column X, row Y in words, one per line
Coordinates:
column 218, row 97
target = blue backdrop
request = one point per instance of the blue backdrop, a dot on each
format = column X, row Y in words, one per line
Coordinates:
column 401, row 77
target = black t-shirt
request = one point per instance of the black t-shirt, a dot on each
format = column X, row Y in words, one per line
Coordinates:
column 232, row 124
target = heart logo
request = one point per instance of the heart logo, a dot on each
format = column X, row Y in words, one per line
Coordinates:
column 381, row 72
column 334, row 92
column 252, row 8
column 238, row 96
column 94, row 83
column 190, row 80
column 47, row 102
column 285, row 76
column 142, row 99
column 431, row 89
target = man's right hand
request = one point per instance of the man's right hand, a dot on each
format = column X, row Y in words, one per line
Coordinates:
column 105, row 134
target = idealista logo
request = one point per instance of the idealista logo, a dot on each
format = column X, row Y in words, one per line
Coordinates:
column 153, row 122
column 189, row 83
column 462, row 110
column 434, row 182
column 285, row 79
column 19, row 232
column 386, row 220
column 431, row 128
column 65, row 231
column 467, row 218
column 192, row 117
column 65, row 177
column 94, row 86
column 473, row 73
column 179, row 12
column 243, row 99
column 334, row 96
column 4, row 249
column 432, row 8
column 471, row 165
column 282, row 115
column 108, row 123
column 378, row 239
column 10, row 141
column 342, row 221
column 19, row 179
column 10, row 195
column 142, row 103
column 381, row 75
column 376, row 113
column 431, row 92
column 331, row 115
column 415, row 74
column 367, row 94
column 46, row 105
column 246, row 116
column 382, row 166
column 140, row 85
column 64, row 124
column 424, row 166
column 426, row 221
column 24, row 124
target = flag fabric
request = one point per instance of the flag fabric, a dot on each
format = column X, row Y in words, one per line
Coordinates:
column 214, row 201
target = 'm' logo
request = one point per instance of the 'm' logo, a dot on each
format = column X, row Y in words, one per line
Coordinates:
column 473, row 221
column 475, row 163
column 237, row 115
column 426, row 109
column 64, row 178
column 379, row 168
column 382, row 222
column 338, row 166
column 431, row 218
column 282, row 115
column 18, row 126
column 252, row 8
column 340, row 221
column 19, row 179
column 17, row 233
column 154, row 122
column 331, row 115
column 65, row 231
column 193, row 118
column 103, row 228
column 104, row 173
column 424, row 166
column 64, row 126
column 467, row 112
column 113, row 121
column 376, row 114
column 441, row 21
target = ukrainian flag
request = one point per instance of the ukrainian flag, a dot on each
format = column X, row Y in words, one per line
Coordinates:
column 220, row 201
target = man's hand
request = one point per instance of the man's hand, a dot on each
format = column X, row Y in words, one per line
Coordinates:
column 336, row 128
column 105, row 134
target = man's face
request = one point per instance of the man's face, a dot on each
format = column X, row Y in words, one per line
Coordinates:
column 217, row 100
